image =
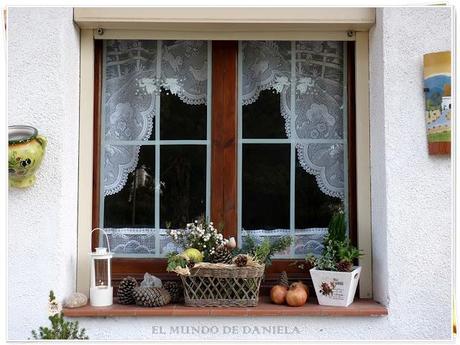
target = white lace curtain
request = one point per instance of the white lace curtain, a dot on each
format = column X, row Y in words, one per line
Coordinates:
column 136, row 71
column 314, row 71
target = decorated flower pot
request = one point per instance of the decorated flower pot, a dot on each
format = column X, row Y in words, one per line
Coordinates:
column 335, row 288
column 25, row 153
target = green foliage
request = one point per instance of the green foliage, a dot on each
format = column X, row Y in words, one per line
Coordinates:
column 264, row 251
column 337, row 248
column 328, row 260
column 347, row 252
column 60, row 328
column 337, row 227
column 174, row 260
column 334, row 252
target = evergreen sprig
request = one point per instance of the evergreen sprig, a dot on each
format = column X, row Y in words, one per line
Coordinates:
column 337, row 227
column 264, row 251
column 60, row 328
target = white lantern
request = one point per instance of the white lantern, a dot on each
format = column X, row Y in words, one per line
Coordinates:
column 101, row 290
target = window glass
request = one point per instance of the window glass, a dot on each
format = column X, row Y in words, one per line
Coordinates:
column 266, row 180
column 183, row 184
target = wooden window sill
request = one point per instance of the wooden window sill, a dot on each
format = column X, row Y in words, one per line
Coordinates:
column 361, row 307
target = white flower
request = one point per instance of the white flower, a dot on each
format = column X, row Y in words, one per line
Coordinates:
column 54, row 308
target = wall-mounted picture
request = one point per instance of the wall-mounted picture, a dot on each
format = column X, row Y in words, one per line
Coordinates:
column 438, row 113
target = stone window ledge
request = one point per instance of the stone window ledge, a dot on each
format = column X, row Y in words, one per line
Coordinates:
column 361, row 307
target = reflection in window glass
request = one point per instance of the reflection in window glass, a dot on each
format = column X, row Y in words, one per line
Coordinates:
column 183, row 184
column 262, row 119
column 134, row 205
column 265, row 198
column 181, row 121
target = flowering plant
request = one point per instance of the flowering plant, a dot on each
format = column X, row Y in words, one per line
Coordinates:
column 200, row 235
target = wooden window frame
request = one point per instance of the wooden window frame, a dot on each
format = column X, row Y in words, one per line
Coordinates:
column 223, row 162
column 257, row 23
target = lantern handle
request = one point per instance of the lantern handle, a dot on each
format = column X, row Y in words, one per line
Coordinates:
column 105, row 234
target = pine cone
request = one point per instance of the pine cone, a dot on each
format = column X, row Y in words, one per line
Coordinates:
column 222, row 255
column 125, row 290
column 310, row 262
column 344, row 266
column 176, row 291
column 241, row 260
column 151, row 296
column 283, row 280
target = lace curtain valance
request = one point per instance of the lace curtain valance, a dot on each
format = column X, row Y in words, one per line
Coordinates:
column 134, row 74
column 313, row 110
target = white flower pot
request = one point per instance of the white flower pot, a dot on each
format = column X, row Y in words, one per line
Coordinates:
column 335, row 288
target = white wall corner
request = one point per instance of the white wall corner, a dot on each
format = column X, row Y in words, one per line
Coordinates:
column 378, row 173
column 411, row 191
column 43, row 88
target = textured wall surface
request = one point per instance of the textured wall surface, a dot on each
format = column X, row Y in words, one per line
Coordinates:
column 43, row 86
column 411, row 192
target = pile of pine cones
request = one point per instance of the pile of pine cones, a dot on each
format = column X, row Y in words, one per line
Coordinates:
column 129, row 292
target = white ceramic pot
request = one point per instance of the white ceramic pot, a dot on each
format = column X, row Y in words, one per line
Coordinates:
column 335, row 288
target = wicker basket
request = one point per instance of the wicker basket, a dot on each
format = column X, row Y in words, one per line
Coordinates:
column 220, row 285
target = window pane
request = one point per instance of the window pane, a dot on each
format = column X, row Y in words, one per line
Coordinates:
column 262, row 118
column 183, row 184
column 266, row 176
column 313, row 208
column 181, row 121
column 134, row 205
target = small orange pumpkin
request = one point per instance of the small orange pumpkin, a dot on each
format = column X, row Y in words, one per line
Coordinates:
column 297, row 294
column 278, row 294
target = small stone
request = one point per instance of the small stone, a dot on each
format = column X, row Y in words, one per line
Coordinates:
column 151, row 281
column 76, row 300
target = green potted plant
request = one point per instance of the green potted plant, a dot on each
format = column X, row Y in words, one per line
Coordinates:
column 334, row 275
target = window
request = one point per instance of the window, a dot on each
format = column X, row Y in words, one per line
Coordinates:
column 291, row 140
column 155, row 162
column 254, row 134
